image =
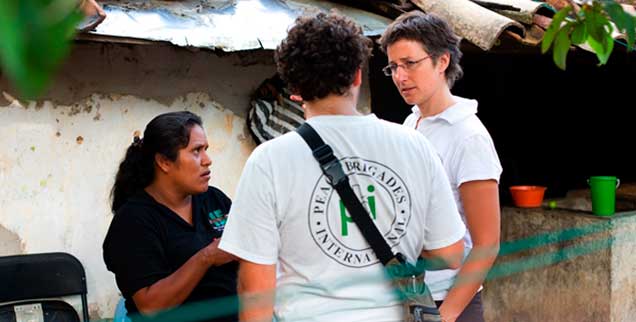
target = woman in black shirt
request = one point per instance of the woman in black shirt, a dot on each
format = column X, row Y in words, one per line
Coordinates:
column 162, row 244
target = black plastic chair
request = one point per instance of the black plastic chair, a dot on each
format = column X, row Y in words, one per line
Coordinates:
column 34, row 278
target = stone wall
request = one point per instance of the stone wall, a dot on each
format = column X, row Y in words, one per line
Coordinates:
column 623, row 279
column 563, row 265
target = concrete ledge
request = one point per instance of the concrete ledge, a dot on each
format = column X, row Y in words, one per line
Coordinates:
column 563, row 265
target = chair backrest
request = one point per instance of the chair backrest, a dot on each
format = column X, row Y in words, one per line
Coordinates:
column 36, row 276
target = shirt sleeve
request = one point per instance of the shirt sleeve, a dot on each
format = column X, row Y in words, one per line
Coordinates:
column 476, row 159
column 443, row 225
column 135, row 253
column 251, row 232
column 223, row 200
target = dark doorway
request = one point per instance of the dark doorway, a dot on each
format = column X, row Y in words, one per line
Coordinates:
column 550, row 127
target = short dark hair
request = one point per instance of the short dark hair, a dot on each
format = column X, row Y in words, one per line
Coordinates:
column 433, row 33
column 321, row 54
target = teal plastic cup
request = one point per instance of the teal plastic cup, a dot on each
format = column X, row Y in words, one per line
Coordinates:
column 603, row 194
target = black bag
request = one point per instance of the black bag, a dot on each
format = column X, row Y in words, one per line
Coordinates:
column 407, row 279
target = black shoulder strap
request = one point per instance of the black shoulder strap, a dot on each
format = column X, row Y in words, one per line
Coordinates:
column 338, row 179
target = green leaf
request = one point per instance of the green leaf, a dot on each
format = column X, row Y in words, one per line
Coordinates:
column 11, row 46
column 561, row 48
column 579, row 34
column 36, row 35
column 602, row 49
column 548, row 37
column 631, row 32
column 600, row 34
column 592, row 23
column 616, row 13
column 554, row 27
column 596, row 21
column 624, row 21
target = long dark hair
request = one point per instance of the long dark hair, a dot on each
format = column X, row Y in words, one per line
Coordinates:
column 166, row 134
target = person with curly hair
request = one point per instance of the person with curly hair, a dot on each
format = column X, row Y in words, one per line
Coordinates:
column 423, row 54
column 287, row 216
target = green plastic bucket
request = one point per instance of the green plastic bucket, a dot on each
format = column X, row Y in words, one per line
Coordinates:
column 603, row 194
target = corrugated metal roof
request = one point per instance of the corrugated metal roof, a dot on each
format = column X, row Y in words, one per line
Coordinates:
column 228, row 25
column 234, row 25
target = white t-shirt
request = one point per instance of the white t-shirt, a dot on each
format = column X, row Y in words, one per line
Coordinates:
column 286, row 213
column 468, row 154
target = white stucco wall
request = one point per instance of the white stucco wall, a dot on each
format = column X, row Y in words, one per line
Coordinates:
column 58, row 156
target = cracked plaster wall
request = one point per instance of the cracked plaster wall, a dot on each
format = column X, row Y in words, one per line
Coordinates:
column 58, row 166
column 10, row 243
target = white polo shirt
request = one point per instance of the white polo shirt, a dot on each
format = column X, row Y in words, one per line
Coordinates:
column 467, row 154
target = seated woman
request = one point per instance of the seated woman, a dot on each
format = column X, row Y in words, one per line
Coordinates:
column 162, row 243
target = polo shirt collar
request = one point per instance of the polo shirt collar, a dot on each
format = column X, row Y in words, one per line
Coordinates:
column 462, row 109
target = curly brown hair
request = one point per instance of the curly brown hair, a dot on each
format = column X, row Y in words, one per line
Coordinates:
column 321, row 54
column 433, row 33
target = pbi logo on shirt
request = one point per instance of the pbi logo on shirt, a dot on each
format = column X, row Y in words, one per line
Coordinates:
column 217, row 219
column 382, row 193
column 368, row 201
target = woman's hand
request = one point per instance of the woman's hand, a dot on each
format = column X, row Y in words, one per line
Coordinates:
column 214, row 256
column 91, row 8
column 94, row 14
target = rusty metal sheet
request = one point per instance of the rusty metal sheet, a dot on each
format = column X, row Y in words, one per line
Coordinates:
column 228, row 25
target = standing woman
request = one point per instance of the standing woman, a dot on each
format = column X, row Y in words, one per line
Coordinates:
column 162, row 244
column 424, row 55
